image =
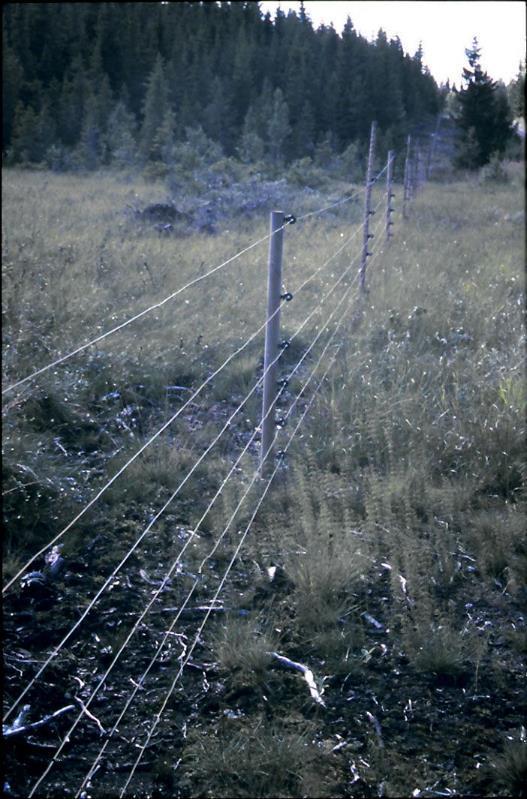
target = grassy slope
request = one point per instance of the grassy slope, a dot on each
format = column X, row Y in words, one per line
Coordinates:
column 402, row 499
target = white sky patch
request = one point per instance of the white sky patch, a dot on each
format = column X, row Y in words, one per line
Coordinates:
column 445, row 29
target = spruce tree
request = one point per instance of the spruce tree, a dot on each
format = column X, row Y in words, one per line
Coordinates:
column 154, row 110
column 91, row 149
column 516, row 92
column 483, row 117
column 278, row 128
column 13, row 77
column 251, row 148
column 24, row 134
column 120, row 136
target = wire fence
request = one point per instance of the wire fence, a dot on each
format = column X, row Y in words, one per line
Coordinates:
column 335, row 321
column 145, row 532
column 174, row 566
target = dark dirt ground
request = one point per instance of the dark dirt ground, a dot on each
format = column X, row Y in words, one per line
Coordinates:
column 386, row 729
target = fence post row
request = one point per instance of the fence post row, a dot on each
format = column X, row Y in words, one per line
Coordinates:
column 272, row 334
column 367, row 209
column 389, row 194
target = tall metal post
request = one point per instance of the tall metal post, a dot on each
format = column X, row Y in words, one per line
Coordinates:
column 389, row 194
column 407, row 177
column 418, row 170
column 367, row 209
column 272, row 334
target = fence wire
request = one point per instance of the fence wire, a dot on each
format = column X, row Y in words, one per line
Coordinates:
column 148, row 310
column 145, row 532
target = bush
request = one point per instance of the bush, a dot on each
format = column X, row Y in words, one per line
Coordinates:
column 304, row 173
column 494, row 171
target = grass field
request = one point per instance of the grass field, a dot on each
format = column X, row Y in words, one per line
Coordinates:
column 395, row 523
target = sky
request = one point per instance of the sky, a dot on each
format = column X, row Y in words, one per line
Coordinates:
column 445, row 29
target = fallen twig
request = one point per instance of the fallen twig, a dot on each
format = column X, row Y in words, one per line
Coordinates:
column 377, row 728
column 308, row 675
column 91, row 716
column 19, row 730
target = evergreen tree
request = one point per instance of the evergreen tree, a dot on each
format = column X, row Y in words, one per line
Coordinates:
column 45, row 131
column 217, row 116
column 91, row 150
column 278, row 128
column 303, row 134
column 516, row 93
column 24, row 134
column 33, row 133
column 154, row 112
column 72, row 102
column 13, row 77
column 483, row 116
column 251, row 148
column 120, row 136
column 165, row 138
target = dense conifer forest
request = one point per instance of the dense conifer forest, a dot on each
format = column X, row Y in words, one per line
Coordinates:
column 92, row 84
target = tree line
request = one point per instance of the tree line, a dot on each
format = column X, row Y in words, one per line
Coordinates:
column 92, row 84
column 120, row 83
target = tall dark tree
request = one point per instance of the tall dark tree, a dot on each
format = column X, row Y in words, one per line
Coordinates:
column 516, row 93
column 154, row 112
column 483, row 116
column 13, row 75
column 278, row 127
column 120, row 136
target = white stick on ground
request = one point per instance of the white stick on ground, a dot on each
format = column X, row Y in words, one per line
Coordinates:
column 308, row 675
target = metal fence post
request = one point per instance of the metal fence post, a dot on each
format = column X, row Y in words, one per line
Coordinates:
column 367, row 209
column 272, row 334
column 389, row 194
column 419, row 169
column 406, row 179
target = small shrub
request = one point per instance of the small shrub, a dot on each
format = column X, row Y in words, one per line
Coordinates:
column 258, row 759
column 438, row 652
column 239, row 647
column 511, row 769
column 494, row 171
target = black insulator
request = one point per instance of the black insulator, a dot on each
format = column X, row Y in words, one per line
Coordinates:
column 290, row 219
column 284, row 344
column 287, row 296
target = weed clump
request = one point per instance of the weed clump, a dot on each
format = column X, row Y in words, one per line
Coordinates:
column 240, row 648
column 511, row 768
column 260, row 759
